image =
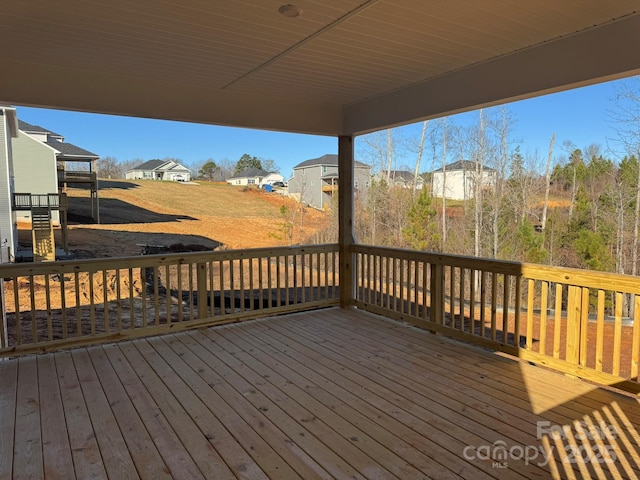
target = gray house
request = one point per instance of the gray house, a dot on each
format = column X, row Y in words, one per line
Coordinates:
column 160, row 170
column 315, row 181
column 8, row 226
column 45, row 164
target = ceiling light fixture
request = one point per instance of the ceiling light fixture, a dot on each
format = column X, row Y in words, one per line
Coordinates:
column 290, row 11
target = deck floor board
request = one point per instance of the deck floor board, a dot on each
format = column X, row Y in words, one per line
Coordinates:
column 317, row 395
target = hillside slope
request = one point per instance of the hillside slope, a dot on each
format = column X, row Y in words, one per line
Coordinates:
column 164, row 213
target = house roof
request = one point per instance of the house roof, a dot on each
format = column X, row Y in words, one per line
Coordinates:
column 403, row 175
column 28, row 128
column 157, row 165
column 329, row 159
column 466, row 165
column 243, row 64
column 251, row 173
column 70, row 150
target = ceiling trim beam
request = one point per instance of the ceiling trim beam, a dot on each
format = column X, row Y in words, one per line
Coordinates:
column 598, row 54
column 50, row 86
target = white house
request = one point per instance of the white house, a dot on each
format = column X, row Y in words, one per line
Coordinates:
column 255, row 176
column 160, row 170
column 459, row 180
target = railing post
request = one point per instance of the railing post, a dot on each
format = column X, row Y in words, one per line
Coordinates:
column 201, row 285
column 436, row 300
column 345, row 220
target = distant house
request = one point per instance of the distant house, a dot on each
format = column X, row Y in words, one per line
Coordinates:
column 400, row 178
column 315, row 181
column 255, row 176
column 8, row 225
column 459, row 180
column 168, row 170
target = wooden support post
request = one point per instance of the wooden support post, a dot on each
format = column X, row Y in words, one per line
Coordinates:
column 345, row 220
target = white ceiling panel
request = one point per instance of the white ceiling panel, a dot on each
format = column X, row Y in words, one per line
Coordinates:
column 242, row 63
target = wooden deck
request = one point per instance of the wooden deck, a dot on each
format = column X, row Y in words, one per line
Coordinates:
column 325, row 394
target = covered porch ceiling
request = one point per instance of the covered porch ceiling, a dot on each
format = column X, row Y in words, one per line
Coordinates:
column 343, row 67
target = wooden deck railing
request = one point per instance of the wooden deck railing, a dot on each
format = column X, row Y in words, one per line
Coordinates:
column 582, row 322
column 55, row 305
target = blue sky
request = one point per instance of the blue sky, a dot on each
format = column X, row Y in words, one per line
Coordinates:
column 579, row 116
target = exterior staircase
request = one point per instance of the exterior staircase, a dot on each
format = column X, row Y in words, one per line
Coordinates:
column 44, row 248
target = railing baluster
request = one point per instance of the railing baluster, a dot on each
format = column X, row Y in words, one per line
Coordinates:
column 16, row 309
column 416, row 279
column 167, row 281
column 118, row 301
column 78, row 313
column 494, row 306
column 223, row 308
column 92, row 306
column 260, row 286
column 105, row 297
column 544, row 307
column 425, row 282
column 483, row 306
column 452, row 297
column 326, row 276
column 211, row 290
column 530, row 305
column 34, row 321
column 584, row 326
column 132, row 305
column 270, row 282
column 232, row 285
column 472, row 300
column 506, row 294
column 143, row 297
column 401, row 291
column 179, row 268
column 295, row 279
column 47, row 287
column 516, row 308
column 461, row 299
column 557, row 322
column 243, row 287
column 318, row 290
column 156, row 295
column 617, row 334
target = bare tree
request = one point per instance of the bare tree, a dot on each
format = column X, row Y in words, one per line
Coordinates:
column 626, row 118
column 419, row 157
column 547, row 180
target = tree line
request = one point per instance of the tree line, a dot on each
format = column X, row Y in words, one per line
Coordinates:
column 209, row 169
column 568, row 206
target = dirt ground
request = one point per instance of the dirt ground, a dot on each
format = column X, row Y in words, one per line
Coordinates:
column 138, row 213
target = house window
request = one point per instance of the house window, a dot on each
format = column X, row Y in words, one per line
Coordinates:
column 366, row 184
column 356, row 183
column 324, row 169
column 251, row 181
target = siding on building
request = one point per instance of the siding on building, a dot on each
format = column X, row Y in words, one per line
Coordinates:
column 310, row 176
column 8, row 233
column 34, row 171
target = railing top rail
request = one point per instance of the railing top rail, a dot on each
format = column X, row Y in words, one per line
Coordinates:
column 568, row 276
column 25, row 269
column 490, row 265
